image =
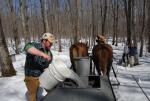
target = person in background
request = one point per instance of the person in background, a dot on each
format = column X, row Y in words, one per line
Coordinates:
column 38, row 58
column 101, row 39
column 125, row 56
column 133, row 53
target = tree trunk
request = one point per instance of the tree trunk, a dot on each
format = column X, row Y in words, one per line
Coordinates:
column 115, row 7
column 148, row 24
column 134, row 37
column 6, row 62
column 143, row 27
column 14, row 25
column 58, row 26
column 94, row 22
column 24, row 18
column 76, row 22
column 133, row 23
column 51, row 16
column 127, row 7
column 104, row 18
column 44, row 15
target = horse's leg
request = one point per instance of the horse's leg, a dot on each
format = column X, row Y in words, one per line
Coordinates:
column 109, row 66
column 91, row 66
column 93, row 69
column 98, row 67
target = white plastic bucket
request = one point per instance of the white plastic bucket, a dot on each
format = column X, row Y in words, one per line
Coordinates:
column 57, row 72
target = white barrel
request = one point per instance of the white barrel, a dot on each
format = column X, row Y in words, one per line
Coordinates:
column 82, row 65
column 57, row 72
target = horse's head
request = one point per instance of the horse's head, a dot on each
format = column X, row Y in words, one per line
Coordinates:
column 101, row 39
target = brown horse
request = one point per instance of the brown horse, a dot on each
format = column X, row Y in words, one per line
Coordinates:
column 78, row 50
column 102, row 57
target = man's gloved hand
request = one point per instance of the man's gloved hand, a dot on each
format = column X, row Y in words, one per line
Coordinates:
column 47, row 57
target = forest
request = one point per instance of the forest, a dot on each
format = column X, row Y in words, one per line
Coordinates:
column 26, row 20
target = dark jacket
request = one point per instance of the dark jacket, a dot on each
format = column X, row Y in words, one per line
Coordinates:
column 34, row 64
column 132, row 51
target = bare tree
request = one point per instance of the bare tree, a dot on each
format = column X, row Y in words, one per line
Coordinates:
column 94, row 21
column 24, row 18
column 148, row 24
column 115, row 7
column 6, row 62
column 127, row 7
column 76, row 21
column 104, row 15
column 78, row 18
column 58, row 26
column 133, row 23
column 44, row 15
column 14, row 25
column 143, row 28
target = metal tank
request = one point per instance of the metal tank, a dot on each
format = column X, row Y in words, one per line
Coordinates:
column 82, row 65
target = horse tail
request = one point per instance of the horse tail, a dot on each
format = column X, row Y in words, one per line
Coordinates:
column 96, row 56
column 73, row 53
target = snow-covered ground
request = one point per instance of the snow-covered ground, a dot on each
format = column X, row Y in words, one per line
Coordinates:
column 13, row 88
column 134, row 81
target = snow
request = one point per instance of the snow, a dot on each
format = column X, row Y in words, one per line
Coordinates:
column 13, row 88
column 130, row 77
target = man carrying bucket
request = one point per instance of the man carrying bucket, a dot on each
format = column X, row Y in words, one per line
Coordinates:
column 38, row 58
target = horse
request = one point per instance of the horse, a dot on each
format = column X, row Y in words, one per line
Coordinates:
column 102, row 55
column 78, row 49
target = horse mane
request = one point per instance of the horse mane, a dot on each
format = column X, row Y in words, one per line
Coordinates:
column 105, row 46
